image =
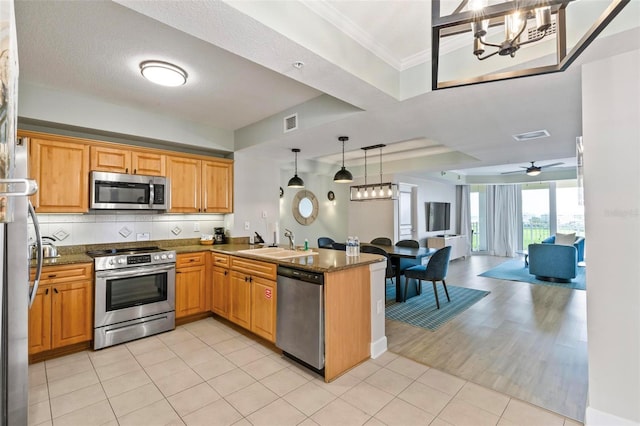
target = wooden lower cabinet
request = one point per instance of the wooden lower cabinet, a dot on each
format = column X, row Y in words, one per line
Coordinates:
column 62, row 312
column 240, row 299
column 191, row 284
column 263, row 308
column 252, row 296
column 220, row 285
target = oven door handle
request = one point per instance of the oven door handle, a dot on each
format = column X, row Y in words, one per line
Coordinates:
column 135, row 271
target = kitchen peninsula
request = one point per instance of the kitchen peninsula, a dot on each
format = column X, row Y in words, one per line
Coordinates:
column 239, row 286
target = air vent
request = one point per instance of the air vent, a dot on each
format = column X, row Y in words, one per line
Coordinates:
column 523, row 137
column 533, row 33
column 291, row 123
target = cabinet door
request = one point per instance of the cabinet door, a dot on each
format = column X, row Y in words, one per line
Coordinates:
column 190, row 291
column 110, row 159
column 220, row 293
column 217, row 187
column 263, row 308
column 71, row 313
column 185, row 175
column 62, row 172
column 40, row 321
column 240, row 299
column 147, row 163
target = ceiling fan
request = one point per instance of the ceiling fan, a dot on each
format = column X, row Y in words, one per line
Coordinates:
column 532, row 170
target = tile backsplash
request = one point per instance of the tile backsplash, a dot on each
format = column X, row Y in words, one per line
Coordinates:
column 73, row 229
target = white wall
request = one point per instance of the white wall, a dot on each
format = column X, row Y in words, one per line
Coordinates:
column 370, row 219
column 611, row 126
column 98, row 228
column 332, row 216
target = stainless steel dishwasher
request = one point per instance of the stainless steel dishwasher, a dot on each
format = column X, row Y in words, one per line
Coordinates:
column 300, row 316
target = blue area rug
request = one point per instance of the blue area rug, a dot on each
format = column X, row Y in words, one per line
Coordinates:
column 514, row 270
column 421, row 310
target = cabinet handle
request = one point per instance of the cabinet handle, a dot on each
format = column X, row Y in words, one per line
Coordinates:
column 46, row 292
column 225, row 273
column 135, row 171
column 52, row 275
column 55, row 290
column 192, row 260
column 126, row 170
column 178, row 272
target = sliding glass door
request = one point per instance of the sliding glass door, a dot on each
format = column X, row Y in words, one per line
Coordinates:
column 536, row 213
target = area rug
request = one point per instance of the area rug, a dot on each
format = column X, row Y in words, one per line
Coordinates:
column 514, row 270
column 421, row 310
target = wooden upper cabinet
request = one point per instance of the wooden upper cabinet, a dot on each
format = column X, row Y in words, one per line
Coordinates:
column 185, row 175
column 113, row 160
column 122, row 160
column 62, row 172
column 217, row 187
column 148, row 163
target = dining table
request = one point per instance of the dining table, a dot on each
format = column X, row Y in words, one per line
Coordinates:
column 396, row 253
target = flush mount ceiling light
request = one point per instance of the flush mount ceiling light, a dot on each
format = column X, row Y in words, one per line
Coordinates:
column 374, row 191
column 295, row 181
column 537, row 134
column 557, row 31
column 163, row 73
column 343, row 175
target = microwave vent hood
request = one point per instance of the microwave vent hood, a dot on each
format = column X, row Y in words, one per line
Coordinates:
column 120, row 191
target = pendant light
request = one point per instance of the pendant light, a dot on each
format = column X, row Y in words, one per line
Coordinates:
column 295, row 181
column 343, row 175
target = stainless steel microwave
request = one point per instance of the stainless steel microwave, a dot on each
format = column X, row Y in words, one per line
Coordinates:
column 119, row 191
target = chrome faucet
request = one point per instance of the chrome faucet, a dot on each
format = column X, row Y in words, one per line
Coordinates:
column 289, row 234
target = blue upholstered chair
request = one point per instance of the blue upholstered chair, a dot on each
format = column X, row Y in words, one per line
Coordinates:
column 553, row 262
column 435, row 270
column 325, row 242
column 408, row 263
column 390, row 272
column 382, row 241
column 579, row 245
column 339, row 246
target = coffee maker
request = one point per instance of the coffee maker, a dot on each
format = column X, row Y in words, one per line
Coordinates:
column 218, row 235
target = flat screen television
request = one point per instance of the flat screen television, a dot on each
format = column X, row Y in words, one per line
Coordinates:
column 438, row 216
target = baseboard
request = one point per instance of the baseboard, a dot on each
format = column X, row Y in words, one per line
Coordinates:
column 378, row 347
column 595, row 417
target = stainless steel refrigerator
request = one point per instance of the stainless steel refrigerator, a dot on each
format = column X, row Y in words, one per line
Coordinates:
column 14, row 262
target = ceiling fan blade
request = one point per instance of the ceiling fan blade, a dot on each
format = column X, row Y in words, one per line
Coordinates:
column 552, row 164
column 513, row 172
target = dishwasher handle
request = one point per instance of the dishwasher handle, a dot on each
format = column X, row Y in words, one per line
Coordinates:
column 302, row 275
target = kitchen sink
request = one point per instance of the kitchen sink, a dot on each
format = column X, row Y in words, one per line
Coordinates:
column 278, row 252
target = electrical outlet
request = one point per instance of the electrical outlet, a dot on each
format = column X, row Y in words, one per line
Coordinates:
column 247, row 226
column 196, row 227
column 379, row 307
column 264, row 214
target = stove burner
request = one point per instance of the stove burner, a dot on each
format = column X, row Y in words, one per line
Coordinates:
column 127, row 250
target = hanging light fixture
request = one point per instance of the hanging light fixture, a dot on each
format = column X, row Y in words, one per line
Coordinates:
column 374, row 191
column 295, row 181
column 550, row 25
column 343, row 175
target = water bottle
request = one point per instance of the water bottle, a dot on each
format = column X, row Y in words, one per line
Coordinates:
column 356, row 243
column 349, row 246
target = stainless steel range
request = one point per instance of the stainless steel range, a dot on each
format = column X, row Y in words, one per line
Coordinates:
column 135, row 294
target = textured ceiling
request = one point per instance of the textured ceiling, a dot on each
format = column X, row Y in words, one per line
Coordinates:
column 369, row 55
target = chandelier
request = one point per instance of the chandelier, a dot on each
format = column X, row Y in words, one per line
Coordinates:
column 558, row 31
column 373, row 191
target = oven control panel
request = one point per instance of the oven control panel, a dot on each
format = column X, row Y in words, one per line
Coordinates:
column 133, row 260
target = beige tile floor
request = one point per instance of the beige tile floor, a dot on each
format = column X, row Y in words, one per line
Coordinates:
column 207, row 373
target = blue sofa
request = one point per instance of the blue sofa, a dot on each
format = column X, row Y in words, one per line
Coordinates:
column 579, row 245
column 553, row 262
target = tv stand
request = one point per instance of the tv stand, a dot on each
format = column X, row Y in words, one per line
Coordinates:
column 458, row 244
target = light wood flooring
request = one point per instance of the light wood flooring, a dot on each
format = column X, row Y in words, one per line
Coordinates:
column 527, row 341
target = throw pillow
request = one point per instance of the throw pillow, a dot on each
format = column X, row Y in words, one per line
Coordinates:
column 566, row 239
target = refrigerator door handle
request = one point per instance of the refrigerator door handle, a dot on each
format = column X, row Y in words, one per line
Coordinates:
column 30, row 187
column 36, row 281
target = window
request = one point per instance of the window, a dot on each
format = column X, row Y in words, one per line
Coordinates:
column 478, row 210
column 536, row 225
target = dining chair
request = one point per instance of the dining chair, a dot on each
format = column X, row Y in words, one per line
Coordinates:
column 383, row 241
column 408, row 243
column 435, row 270
column 390, row 272
column 339, row 246
column 408, row 263
column 325, row 242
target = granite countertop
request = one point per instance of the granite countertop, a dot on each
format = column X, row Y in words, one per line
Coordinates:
column 323, row 260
